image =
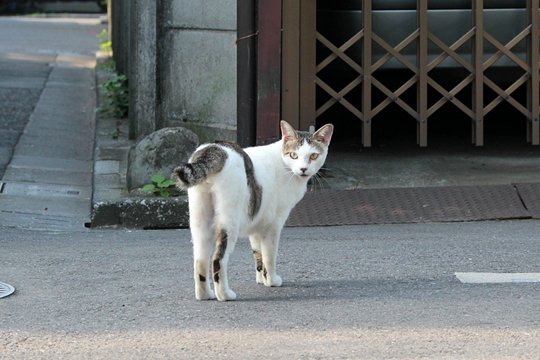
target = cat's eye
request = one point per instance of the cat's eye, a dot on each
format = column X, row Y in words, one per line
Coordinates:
column 314, row 156
column 293, row 155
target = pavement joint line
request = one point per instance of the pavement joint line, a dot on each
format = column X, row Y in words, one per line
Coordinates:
column 497, row 278
column 44, row 189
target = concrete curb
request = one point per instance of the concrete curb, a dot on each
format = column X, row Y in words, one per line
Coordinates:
column 141, row 213
column 112, row 205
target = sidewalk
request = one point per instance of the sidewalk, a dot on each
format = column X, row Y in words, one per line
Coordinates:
column 48, row 181
column 49, row 178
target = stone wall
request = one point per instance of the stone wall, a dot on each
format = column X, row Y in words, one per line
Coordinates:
column 180, row 58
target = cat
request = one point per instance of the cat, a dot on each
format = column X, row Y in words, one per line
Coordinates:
column 235, row 192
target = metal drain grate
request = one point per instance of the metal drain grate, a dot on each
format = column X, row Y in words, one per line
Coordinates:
column 6, row 289
column 408, row 205
column 530, row 194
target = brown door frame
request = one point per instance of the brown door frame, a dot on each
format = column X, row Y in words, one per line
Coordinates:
column 299, row 69
column 267, row 89
column 268, row 71
column 258, row 71
column 246, row 86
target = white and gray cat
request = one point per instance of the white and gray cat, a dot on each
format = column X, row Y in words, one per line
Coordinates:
column 235, row 192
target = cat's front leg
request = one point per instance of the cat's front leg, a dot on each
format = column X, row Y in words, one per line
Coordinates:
column 255, row 241
column 202, row 285
column 269, row 249
column 259, row 273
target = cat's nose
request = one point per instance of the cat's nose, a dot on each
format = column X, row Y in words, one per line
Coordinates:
column 303, row 170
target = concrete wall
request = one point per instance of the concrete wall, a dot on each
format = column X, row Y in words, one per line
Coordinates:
column 142, row 69
column 181, row 64
column 200, row 67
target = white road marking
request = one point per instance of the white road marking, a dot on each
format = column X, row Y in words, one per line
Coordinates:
column 497, row 278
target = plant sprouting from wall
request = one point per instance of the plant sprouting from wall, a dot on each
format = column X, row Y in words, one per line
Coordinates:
column 105, row 43
column 160, row 186
column 117, row 96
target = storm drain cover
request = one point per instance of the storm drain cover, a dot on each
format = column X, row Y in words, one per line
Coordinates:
column 530, row 194
column 6, row 290
column 408, row 205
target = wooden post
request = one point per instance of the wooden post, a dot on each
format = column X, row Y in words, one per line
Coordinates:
column 290, row 65
column 268, row 71
column 422, row 62
column 533, row 53
column 308, row 62
column 366, row 65
column 246, row 98
column 478, row 86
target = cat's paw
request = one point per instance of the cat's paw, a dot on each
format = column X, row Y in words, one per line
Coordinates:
column 227, row 295
column 259, row 277
column 273, row 281
column 205, row 295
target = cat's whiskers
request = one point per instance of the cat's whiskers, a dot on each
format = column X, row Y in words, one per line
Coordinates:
column 322, row 178
column 316, row 182
column 289, row 172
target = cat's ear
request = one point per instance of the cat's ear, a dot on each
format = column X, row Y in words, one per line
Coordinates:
column 324, row 134
column 287, row 131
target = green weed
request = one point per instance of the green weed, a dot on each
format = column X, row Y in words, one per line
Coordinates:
column 117, row 96
column 160, row 186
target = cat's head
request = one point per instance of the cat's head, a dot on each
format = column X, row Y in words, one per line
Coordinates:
column 304, row 153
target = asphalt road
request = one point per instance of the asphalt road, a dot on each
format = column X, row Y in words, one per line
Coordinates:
column 354, row 292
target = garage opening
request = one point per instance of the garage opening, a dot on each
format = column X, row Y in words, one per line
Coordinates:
column 413, row 72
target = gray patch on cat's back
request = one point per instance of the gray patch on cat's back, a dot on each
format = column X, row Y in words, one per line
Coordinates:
column 213, row 156
column 255, row 189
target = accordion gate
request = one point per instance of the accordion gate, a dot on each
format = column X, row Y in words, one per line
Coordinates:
column 300, row 70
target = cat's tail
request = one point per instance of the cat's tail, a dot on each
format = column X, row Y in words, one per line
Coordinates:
column 204, row 163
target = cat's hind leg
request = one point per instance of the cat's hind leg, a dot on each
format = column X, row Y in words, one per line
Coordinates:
column 202, row 233
column 225, row 240
column 230, row 199
column 269, row 249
